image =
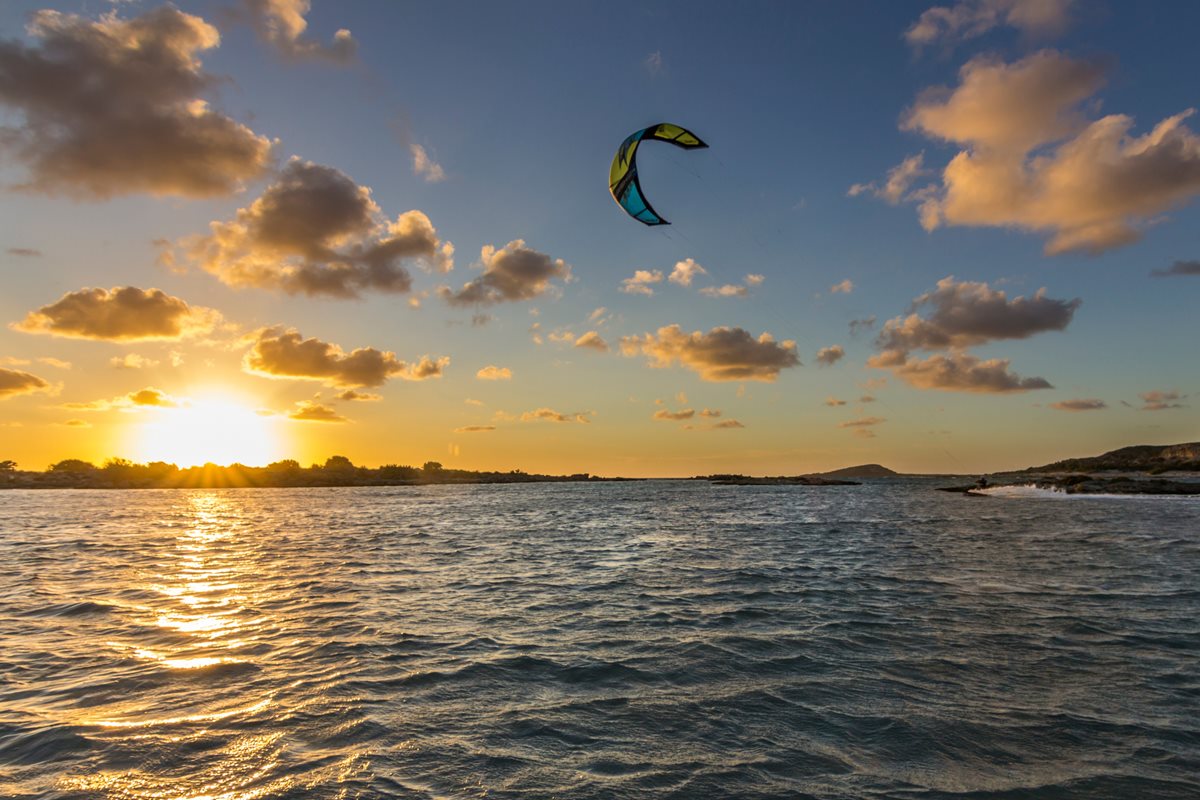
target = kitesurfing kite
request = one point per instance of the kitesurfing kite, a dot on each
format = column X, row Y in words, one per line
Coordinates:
column 623, row 177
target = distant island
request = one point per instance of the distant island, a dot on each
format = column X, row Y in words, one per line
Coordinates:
column 118, row 473
column 1127, row 470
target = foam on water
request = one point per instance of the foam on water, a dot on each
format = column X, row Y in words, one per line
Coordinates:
column 625, row 640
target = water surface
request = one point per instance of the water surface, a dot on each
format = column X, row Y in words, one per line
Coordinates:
column 617, row 640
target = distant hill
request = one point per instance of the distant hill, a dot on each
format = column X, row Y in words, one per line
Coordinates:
column 861, row 471
column 1138, row 458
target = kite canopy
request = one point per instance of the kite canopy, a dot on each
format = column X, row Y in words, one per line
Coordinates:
column 623, row 177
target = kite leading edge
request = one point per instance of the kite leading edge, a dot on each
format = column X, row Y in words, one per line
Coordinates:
column 623, row 176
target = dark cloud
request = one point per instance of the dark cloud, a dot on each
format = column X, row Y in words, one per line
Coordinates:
column 475, row 429
column 1087, row 404
column 1178, row 268
column 278, row 353
column 122, row 314
column 512, row 273
column 828, row 356
column 14, row 382
column 1161, row 401
column 722, row 354
column 965, row 314
column 314, row 231
column 306, row 411
column 864, row 324
column 862, row 422
column 834, row 402
column 957, row 372
column 282, row 23
column 24, row 252
column 112, row 107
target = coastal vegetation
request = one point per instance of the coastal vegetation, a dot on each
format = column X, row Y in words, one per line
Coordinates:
column 119, row 473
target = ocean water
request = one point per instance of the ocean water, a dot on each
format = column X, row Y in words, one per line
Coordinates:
column 619, row 640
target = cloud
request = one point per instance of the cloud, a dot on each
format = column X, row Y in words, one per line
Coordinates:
column 475, row 429
column 14, row 382
column 1161, row 401
column 834, row 401
column 727, row 425
column 598, row 314
column 1079, row 405
column 722, row 354
column 685, row 271
column 352, row 394
column 281, row 24
column 754, row 279
column 512, row 273
column 666, row 414
column 957, row 372
column 828, row 356
column 112, row 107
column 278, row 353
column 968, row 19
column 1032, row 161
column 895, row 188
column 314, row 231
column 728, row 290
column 425, row 166
column 1178, row 268
column 965, row 314
column 24, row 252
column 592, row 341
column 711, row 413
column 866, row 398
column 77, row 423
column 551, row 415
column 494, row 373
column 653, row 62
column 862, row 422
column 859, row 325
column 131, row 361
column 306, row 411
column 152, row 397
column 640, row 282
column 845, row 287
column 122, row 314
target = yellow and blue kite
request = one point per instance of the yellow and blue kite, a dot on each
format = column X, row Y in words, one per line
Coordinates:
column 623, row 177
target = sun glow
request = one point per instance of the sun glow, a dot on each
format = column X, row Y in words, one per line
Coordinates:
column 216, row 430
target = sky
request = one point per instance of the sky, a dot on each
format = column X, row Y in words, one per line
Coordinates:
column 943, row 238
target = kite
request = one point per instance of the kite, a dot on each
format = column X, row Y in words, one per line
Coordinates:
column 623, row 177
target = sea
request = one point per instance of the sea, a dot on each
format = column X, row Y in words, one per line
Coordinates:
column 648, row 639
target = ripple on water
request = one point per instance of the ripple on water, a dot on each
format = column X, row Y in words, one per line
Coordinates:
column 625, row 640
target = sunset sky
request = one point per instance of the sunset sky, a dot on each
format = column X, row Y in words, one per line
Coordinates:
column 941, row 238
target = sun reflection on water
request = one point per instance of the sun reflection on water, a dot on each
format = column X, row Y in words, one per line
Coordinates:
column 210, row 615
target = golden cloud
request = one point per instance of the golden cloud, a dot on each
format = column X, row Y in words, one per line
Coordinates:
column 120, row 314
column 722, row 354
column 278, row 353
column 14, row 382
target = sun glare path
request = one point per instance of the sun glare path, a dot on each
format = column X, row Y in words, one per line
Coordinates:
column 214, row 430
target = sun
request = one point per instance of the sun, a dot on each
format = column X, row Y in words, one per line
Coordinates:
column 217, row 430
